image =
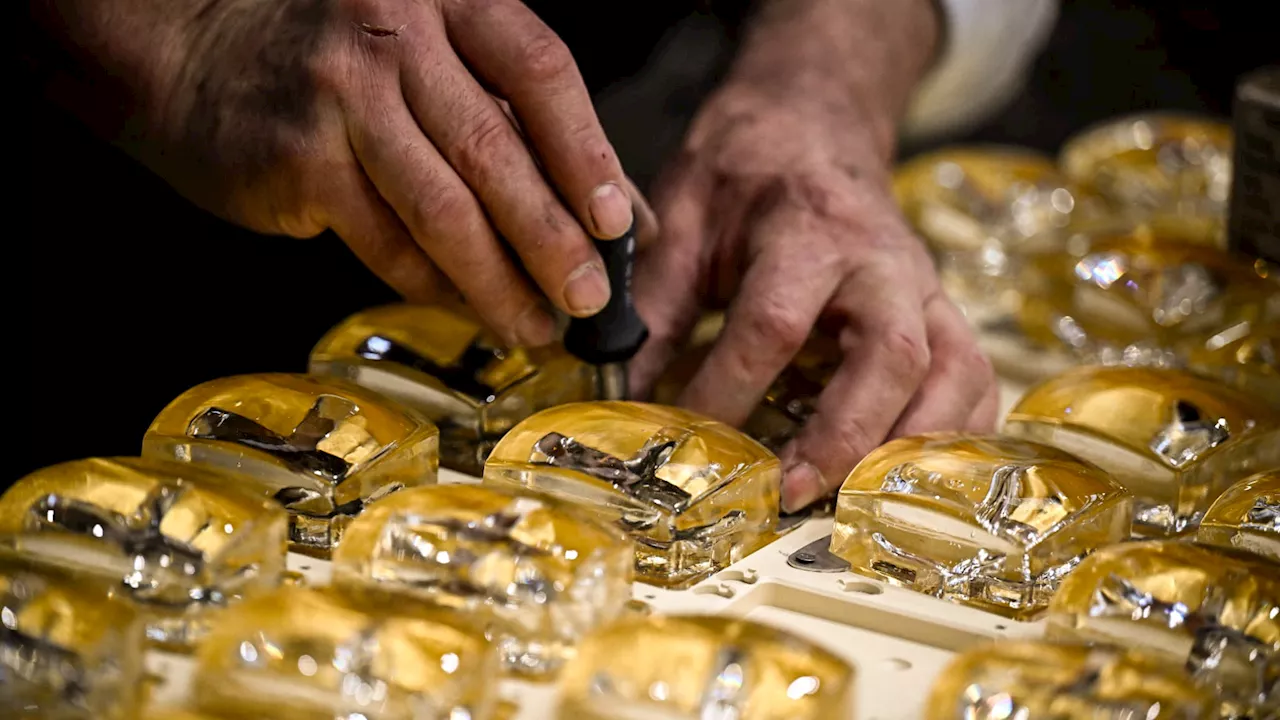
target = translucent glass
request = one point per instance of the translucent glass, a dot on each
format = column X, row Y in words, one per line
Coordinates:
column 299, row 654
column 695, row 494
column 68, row 651
column 703, row 668
column 1214, row 613
column 1064, row 681
column 982, row 520
column 1245, row 355
column 322, row 447
column 537, row 573
column 1173, row 439
column 1246, row 517
column 454, row 372
column 178, row 540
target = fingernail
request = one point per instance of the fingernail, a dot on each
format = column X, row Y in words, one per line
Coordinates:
column 610, row 210
column 801, row 485
column 534, row 328
column 587, row 289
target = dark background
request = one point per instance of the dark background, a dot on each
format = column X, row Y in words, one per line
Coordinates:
column 125, row 295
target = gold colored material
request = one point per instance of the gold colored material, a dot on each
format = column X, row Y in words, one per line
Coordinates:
column 296, row 654
column 982, row 520
column 68, row 651
column 1215, row 614
column 694, row 668
column 1173, row 439
column 695, row 494
column 322, row 447
column 538, row 573
column 177, row 540
column 1064, row 681
column 1246, row 517
column 1245, row 356
column 453, row 372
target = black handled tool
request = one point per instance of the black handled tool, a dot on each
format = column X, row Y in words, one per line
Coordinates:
column 611, row 337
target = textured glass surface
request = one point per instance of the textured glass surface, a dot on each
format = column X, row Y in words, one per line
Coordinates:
column 536, row 572
column 68, row 651
column 695, row 494
column 1173, row 439
column 1064, row 681
column 1245, row 355
column 322, row 447
column 1246, row 517
column 982, row 520
column 1216, row 614
column 452, row 371
column 299, row 654
column 178, row 540
column 703, row 668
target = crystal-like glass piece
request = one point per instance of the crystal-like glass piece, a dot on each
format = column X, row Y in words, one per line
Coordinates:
column 986, row 521
column 451, row 370
column 300, row 654
column 1245, row 355
column 695, row 494
column 703, row 668
column 1173, row 439
column 1214, row 613
column 179, row 541
column 537, row 572
column 68, row 651
column 322, row 447
column 1246, row 517
column 1037, row 679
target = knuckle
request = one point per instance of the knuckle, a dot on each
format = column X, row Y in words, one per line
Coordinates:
column 855, row 440
column 445, row 210
column 486, row 136
column 775, row 325
column 908, row 352
column 545, row 58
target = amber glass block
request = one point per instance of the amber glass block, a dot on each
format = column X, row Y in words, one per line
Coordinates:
column 322, row 447
column 299, row 654
column 1214, row 613
column 1173, row 439
column 695, row 668
column 180, row 541
column 68, row 651
column 1156, row 165
column 1245, row 355
column 1064, row 681
column 454, row 372
column 1246, row 517
column 982, row 520
column 536, row 572
column 695, row 494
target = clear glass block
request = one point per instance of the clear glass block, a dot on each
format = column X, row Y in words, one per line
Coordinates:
column 1173, row 439
column 1246, row 517
column 703, row 668
column 68, row 650
column 1064, row 681
column 300, row 654
column 179, row 541
column 538, row 573
column 695, row 494
column 454, row 372
column 322, row 447
column 986, row 521
column 1214, row 613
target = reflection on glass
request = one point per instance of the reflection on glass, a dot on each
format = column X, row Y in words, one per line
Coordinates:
column 1246, row 517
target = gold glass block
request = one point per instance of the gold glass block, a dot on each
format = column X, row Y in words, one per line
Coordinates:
column 695, row 494
column 1246, row 517
column 1064, row 681
column 1173, row 439
column 68, row 651
column 1214, row 613
column 1245, row 355
column 695, row 668
column 1156, row 165
column 454, row 372
column 322, row 447
column 178, row 540
column 538, row 573
column 986, row 521
column 299, row 654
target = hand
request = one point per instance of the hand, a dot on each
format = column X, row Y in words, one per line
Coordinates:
column 388, row 122
column 785, row 215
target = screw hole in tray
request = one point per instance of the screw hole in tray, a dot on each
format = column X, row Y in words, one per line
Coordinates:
column 861, row 586
column 898, row 663
column 649, row 596
column 1002, row 628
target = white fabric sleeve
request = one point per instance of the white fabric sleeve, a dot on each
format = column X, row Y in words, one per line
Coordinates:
column 989, row 46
